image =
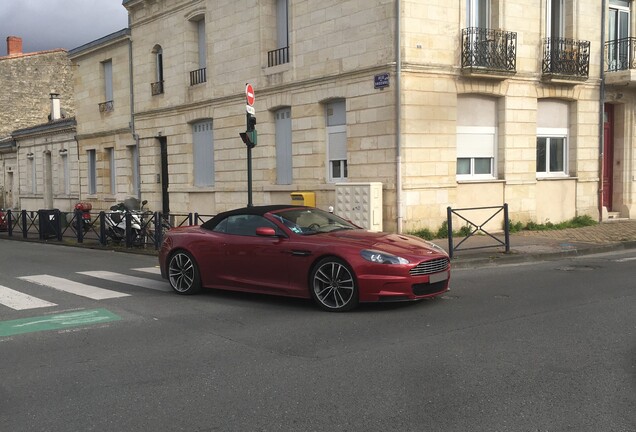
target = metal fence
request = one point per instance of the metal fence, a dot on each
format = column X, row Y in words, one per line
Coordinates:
column 70, row 226
column 476, row 228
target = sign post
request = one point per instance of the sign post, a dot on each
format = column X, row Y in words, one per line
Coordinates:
column 249, row 137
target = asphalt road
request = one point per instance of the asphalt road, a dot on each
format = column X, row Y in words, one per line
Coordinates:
column 545, row 346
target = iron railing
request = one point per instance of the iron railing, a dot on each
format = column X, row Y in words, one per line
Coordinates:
column 156, row 88
column 477, row 228
column 620, row 54
column 197, row 76
column 70, row 226
column 566, row 57
column 487, row 49
column 107, row 106
column 278, row 56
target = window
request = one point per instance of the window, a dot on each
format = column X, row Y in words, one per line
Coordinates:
column 281, row 54
column 65, row 180
column 198, row 76
column 108, row 80
column 110, row 156
column 476, row 137
column 244, row 225
column 336, row 141
column 478, row 13
column 555, row 19
column 283, row 146
column 157, row 86
column 618, row 47
column 203, row 153
column 33, row 173
column 134, row 163
column 552, row 138
column 92, row 172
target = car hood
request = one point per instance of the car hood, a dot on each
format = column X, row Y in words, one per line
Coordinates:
column 392, row 243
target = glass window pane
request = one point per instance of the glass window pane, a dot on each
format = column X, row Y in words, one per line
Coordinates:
column 483, row 166
column 463, row 166
column 556, row 154
column 541, row 154
column 335, row 169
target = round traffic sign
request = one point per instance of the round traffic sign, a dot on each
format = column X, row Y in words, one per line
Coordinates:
column 249, row 94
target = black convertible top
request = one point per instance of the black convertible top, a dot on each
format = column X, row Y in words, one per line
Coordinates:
column 254, row 210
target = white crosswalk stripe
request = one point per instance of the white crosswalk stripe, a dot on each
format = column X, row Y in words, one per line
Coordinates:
column 20, row 301
column 73, row 287
column 129, row 280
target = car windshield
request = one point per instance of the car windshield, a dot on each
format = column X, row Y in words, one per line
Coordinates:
column 309, row 221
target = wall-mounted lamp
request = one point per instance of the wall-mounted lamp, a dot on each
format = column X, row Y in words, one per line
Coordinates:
column 29, row 155
column 63, row 152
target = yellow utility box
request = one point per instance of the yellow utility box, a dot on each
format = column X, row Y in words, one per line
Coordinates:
column 304, row 199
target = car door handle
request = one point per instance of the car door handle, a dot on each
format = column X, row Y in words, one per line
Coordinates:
column 300, row 253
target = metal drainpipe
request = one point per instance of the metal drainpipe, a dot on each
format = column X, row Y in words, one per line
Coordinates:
column 398, row 115
column 601, row 114
column 132, row 112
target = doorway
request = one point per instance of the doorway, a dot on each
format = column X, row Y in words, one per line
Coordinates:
column 165, row 197
column 608, row 156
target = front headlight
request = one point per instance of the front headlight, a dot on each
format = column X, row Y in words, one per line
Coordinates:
column 382, row 257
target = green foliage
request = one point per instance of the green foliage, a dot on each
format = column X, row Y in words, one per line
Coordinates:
column 515, row 227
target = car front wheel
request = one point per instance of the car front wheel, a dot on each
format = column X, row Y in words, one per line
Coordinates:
column 333, row 285
column 183, row 273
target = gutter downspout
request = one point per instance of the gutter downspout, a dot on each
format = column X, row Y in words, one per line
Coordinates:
column 132, row 112
column 398, row 114
column 601, row 114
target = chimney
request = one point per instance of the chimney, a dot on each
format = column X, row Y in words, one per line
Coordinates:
column 14, row 45
column 56, row 112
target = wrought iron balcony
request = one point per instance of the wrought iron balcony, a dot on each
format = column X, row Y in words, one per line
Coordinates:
column 156, row 88
column 489, row 51
column 566, row 59
column 278, row 56
column 106, row 106
column 197, row 76
column 620, row 54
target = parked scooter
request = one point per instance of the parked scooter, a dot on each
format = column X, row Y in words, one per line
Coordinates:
column 116, row 221
column 84, row 210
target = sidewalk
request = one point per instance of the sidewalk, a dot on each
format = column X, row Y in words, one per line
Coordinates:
column 541, row 245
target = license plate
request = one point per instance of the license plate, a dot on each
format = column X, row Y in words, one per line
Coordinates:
column 438, row 277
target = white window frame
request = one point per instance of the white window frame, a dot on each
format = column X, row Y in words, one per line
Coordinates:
column 482, row 150
column 554, row 133
column 330, row 158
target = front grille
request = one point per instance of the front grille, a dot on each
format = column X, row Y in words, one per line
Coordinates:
column 426, row 289
column 428, row 267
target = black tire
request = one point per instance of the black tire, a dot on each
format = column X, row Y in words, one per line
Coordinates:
column 333, row 285
column 183, row 273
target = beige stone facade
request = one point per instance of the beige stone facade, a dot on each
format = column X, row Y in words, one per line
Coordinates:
column 508, row 112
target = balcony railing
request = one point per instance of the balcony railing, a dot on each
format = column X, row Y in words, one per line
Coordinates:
column 278, row 56
column 106, row 106
column 566, row 57
column 156, row 88
column 197, row 76
column 620, row 54
column 489, row 50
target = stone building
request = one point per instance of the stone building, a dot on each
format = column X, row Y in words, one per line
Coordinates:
column 105, row 130
column 463, row 104
column 27, row 81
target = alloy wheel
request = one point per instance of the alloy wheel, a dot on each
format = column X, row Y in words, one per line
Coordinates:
column 333, row 286
column 183, row 274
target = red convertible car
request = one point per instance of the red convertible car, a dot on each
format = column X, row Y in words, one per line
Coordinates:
column 302, row 252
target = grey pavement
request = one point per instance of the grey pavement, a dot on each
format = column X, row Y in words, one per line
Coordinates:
column 480, row 249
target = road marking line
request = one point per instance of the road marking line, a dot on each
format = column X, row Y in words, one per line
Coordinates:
column 56, row 322
column 20, row 301
column 626, row 259
column 129, row 280
column 151, row 270
column 72, row 287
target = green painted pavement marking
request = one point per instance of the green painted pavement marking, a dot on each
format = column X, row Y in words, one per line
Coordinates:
column 56, row 322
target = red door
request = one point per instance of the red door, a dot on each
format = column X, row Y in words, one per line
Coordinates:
column 608, row 156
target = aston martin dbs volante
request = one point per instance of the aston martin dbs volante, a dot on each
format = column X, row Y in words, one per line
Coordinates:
column 302, row 252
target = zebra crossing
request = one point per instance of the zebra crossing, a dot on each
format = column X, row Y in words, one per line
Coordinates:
column 16, row 300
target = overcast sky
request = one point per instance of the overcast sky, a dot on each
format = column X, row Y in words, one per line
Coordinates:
column 50, row 24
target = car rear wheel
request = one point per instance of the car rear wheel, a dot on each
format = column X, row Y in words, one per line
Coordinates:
column 333, row 285
column 183, row 273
